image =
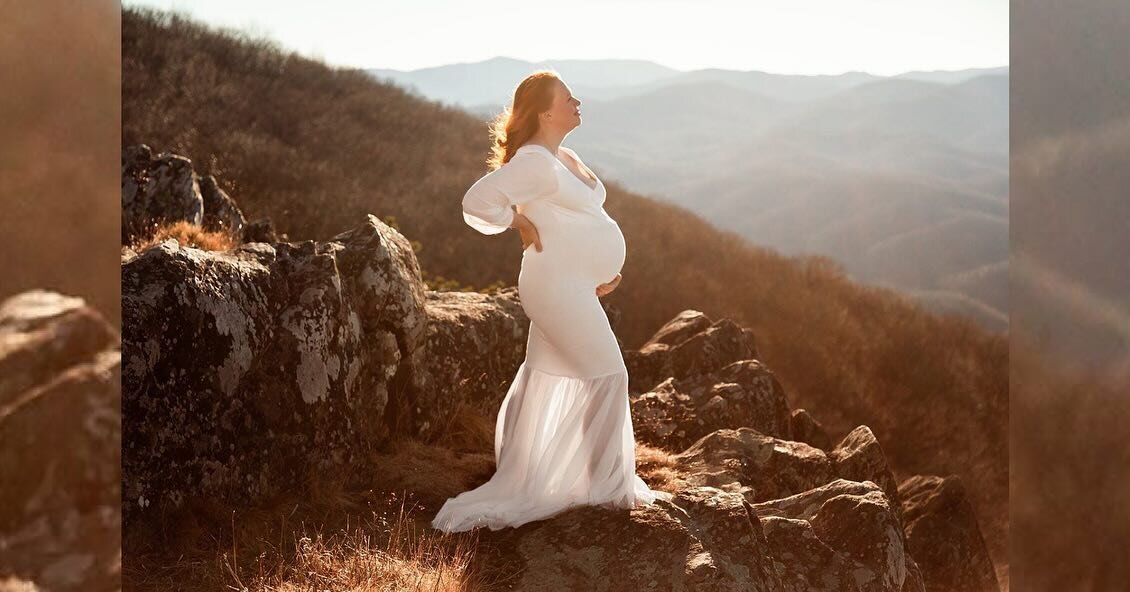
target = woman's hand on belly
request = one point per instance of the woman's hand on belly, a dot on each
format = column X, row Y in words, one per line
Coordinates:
column 528, row 231
column 605, row 289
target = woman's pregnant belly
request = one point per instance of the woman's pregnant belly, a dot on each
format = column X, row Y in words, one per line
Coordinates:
column 585, row 248
column 606, row 250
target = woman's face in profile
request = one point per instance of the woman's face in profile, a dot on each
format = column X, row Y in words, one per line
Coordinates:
column 565, row 108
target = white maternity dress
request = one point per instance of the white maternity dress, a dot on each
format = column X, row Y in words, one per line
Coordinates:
column 564, row 435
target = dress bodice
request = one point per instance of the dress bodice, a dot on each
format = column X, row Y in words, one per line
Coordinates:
column 571, row 191
column 579, row 239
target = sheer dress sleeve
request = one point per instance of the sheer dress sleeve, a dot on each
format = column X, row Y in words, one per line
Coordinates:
column 525, row 177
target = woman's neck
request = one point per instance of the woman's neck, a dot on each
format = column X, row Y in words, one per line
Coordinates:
column 550, row 142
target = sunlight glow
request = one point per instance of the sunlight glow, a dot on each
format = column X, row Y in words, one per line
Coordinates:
column 800, row 37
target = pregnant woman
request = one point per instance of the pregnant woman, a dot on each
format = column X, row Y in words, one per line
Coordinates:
column 563, row 436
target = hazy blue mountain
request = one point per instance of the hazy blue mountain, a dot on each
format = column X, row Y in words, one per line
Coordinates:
column 493, row 80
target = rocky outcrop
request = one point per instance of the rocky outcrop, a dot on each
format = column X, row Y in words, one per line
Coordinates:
column 678, row 412
column 688, row 345
column 944, row 537
column 763, row 467
column 702, row 539
column 164, row 188
column 859, row 457
column 843, row 535
column 760, row 467
column 60, row 445
column 251, row 371
column 156, row 189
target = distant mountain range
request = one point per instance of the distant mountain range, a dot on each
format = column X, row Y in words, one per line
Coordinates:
column 902, row 179
column 491, row 82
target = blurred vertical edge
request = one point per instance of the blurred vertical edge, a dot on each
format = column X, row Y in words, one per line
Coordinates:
column 1069, row 295
column 60, row 291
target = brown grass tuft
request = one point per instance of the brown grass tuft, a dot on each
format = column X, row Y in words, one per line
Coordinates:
column 189, row 235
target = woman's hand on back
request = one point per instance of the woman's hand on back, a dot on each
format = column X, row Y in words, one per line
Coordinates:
column 528, row 231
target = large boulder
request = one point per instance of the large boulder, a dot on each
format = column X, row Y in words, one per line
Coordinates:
column 843, row 535
column 60, row 445
column 251, row 371
column 688, row 345
column 944, row 537
column 702, row 539
column 677, row 412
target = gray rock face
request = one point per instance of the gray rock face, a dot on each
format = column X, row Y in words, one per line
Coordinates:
column 257, row 369
column 60, row 445
column 944, row 537
column 677, row 412
column 475, row 343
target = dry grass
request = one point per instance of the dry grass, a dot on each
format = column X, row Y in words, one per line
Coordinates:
column 189, row 235
column 342, row 535
column 401, row 556
column 657, row 467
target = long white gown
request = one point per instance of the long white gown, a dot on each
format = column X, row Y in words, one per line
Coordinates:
column 564, row 434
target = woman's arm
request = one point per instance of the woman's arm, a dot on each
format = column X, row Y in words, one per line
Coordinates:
column 487, row 205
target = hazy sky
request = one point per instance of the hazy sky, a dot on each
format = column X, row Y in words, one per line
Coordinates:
column 883, row 37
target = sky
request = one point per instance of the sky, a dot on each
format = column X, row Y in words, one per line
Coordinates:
column 881, row 37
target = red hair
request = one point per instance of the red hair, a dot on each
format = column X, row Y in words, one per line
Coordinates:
column 518, row 122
